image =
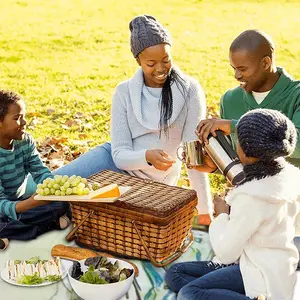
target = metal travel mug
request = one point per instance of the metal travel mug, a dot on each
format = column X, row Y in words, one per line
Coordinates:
column 193, row 153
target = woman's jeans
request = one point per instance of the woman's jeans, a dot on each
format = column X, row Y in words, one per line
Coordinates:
column 206, row 280
column 91, row 162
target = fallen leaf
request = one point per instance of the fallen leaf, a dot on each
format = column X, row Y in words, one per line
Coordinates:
column 69, row 123
column 83, row 136
column 78, row 115
column 50, row 111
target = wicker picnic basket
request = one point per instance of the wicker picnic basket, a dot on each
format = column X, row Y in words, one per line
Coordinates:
column 150, row 221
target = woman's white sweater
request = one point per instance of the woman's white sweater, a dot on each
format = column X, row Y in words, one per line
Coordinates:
column 135, row 129
column 259, row 233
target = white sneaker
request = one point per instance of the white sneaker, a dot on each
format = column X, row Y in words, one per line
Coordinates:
column 3, row 244
column 64, row 222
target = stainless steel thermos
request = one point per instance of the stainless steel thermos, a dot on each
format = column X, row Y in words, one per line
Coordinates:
column 226, row 159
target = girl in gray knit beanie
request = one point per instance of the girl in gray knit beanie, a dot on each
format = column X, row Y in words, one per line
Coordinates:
column 265, row 137
column 252, row 234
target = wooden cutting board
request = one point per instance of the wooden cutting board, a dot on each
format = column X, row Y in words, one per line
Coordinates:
column 85, row 198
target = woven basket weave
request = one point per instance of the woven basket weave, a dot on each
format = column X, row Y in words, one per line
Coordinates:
column 151, row 221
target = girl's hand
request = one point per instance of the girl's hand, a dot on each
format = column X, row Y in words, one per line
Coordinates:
column 220, row 206
column 159, row 159
column 208, row 164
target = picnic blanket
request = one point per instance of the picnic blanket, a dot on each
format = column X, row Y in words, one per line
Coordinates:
column 149, row 285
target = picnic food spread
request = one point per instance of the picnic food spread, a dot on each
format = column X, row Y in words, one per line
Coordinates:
column 76, row 188
column 75, row 185
column 34, row 270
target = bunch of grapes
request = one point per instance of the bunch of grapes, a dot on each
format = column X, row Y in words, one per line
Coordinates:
column 63, row 186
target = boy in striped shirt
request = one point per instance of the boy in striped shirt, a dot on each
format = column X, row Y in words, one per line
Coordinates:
column 22, row 217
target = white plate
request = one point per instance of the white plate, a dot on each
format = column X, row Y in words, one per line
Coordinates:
column 4, row 276
column 85, row 198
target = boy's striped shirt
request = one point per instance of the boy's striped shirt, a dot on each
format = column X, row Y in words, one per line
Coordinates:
column 15, row 165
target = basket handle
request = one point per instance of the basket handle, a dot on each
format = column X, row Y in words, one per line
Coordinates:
column 171, row 258
column 71, row 236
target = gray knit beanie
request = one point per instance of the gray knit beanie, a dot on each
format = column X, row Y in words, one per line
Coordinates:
column 146, row 31
column 266, row 134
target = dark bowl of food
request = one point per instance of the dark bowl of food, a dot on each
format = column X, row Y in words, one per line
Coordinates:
column 107, row 278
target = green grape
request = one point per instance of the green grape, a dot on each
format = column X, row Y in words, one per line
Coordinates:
column 40, row 186
column 84, row 181
column 69, row 191
column 63, row 188
column 95, row 186
column 66, row 184
column 52, row 191
column 57, row 193
column 74, row 190
column 74, row 183
column 72, row 177
column 56, row 186
column 81, row 185
column 47, row 180
column 46, row 191
column 62, row 193
column 40, row 191
column 80, row 191
column 65, row 178
column 50, row 185
column 57, row 178
column 44, row 185
column 86, row 191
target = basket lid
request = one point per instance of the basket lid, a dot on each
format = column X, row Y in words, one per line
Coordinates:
column 146, row 196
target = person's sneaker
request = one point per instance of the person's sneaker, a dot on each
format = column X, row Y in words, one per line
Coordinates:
column 64, row 222
column 202, row 222
column 3, row 244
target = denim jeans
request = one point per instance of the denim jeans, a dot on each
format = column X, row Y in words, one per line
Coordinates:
column 206, row 280
column 94, row 161
column 34, row 222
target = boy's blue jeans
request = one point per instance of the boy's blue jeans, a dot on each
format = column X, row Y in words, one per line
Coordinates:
column 34, row 222
column 206, row 280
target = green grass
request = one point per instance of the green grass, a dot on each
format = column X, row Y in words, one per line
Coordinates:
column 70, row 54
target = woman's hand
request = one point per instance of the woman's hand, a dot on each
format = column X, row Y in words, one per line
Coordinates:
column 159, row 159
column 220, row 206
column 29, row 203
column 208, row 126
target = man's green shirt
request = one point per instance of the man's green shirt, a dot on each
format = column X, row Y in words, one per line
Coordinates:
column 284, row 96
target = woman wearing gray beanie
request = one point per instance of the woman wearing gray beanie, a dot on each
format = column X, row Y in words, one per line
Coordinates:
column 253, row 240
column 152, row 114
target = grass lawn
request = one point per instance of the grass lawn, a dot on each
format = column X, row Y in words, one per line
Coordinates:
column 66, row 56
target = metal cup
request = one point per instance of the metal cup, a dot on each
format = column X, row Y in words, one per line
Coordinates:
column 193, row 153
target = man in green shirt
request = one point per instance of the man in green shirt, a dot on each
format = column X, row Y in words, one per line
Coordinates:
column 262, row 85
